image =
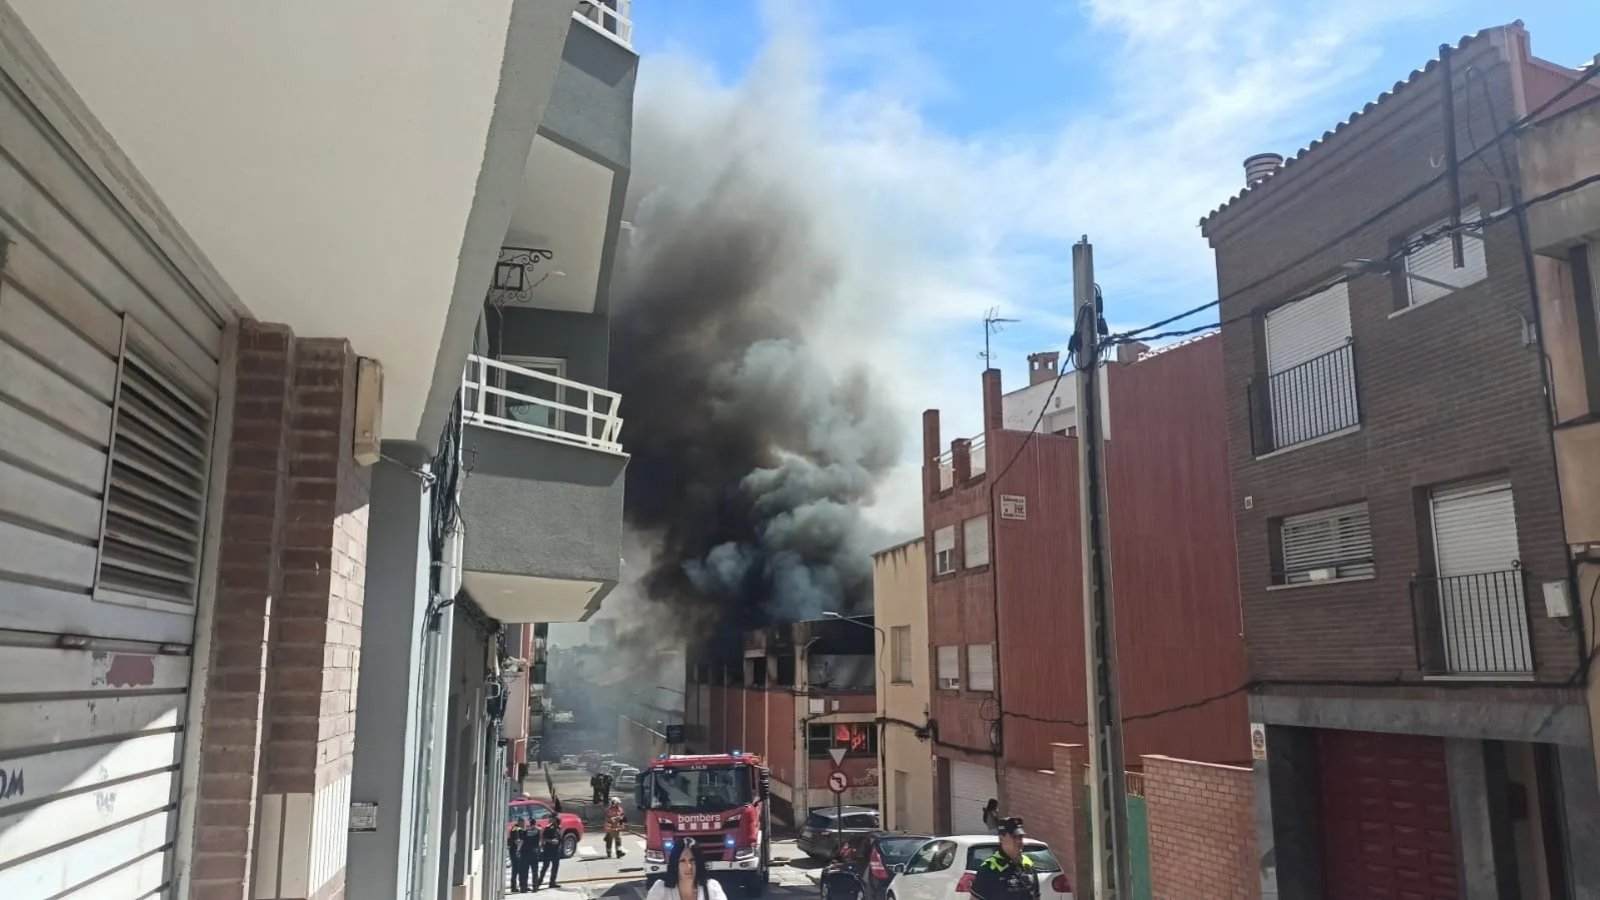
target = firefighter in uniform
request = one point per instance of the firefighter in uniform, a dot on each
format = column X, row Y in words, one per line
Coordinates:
column 1007, row 875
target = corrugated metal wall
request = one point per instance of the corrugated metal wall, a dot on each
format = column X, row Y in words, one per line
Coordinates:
column 93, row 698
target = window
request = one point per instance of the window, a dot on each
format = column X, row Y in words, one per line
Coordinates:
column 526, row 408
column 867, row 821
column 1327, row 544
column 1481, row 602
column 975, row 540
column 944, row 550
column 1430, row 271
column 980, row 667
column 900, row 648
column 155, row 500
column 1311, row 383
column 856, row 739
column 935, row 856
column 949, row 668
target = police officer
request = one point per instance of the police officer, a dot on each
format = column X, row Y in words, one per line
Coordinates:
column 519, row 844
column 1007, row 875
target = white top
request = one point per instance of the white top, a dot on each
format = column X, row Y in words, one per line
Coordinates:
column 660, row 891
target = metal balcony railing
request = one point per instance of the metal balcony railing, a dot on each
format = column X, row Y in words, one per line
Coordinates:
column 1475, row 625
column 612, row 18
column 568, row 412
column 1304, row 402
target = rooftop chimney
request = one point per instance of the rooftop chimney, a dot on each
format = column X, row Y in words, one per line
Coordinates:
column 1129, row 353
column 1042, row 366
column 1258, row 167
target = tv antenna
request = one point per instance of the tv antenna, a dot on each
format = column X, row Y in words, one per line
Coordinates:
column 993, row 324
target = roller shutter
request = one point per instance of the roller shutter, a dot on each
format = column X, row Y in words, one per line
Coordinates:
column 971, row 787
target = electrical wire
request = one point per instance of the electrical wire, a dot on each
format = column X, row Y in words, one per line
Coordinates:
column 1373, row 219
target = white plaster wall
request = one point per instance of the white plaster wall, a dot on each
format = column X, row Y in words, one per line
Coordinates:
column 325, row 156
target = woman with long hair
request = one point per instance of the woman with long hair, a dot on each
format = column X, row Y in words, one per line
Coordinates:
column 686, row 877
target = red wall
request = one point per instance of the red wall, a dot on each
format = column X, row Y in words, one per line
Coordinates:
column 754, row 739
column 1173, row 575
column 1179, row 627
column 781, row 735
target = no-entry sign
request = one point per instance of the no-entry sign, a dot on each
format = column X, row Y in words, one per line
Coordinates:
column 838, row 782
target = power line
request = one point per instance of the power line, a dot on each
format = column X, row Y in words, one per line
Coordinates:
column 1415, row 192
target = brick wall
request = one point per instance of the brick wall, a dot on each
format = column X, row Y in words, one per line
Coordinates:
column 279, row 712
column 1448, row 391
column 1048, row 800
column 252, row 512
column 1202, row 830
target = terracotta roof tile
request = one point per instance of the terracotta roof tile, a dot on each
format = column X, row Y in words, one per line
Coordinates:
column 1327, row 135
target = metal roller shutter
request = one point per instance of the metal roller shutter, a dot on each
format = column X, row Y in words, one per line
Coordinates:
column 1482, row 603
column 970, row 788
column 1436, row 262
column 1308, row 328
column 108, row 377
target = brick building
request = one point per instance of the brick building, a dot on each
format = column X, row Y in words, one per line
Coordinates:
column 1401, row 557
column 248, row 648
column 1005, row 618
column 797, row 692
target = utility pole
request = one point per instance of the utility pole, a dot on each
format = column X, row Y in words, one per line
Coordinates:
column 1108, row 795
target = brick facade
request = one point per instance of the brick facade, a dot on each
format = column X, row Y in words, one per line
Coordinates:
column 280, row 692
column 1448, row 391
column 1202, row 830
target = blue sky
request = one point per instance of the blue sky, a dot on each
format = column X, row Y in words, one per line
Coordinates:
column 955, row 156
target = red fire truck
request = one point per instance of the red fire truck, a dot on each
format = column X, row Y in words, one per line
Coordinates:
column 720, row 801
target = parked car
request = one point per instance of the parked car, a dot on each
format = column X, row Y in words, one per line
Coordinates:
column 627, row 779
column 568, row 761
column 822, row 830
column 876, row 856
column 539, row 810
column 943, row 869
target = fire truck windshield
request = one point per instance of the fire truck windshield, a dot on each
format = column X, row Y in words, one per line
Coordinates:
column 698, row 790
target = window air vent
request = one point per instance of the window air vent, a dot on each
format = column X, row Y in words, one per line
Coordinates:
column 156, row 493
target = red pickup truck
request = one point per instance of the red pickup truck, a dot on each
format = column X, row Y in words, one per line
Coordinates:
column 538, row 811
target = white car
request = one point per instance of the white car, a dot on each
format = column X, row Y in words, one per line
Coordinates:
column 943, row 869
column 627, row 779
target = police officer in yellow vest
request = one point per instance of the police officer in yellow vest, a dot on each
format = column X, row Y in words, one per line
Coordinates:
column 1007, row 875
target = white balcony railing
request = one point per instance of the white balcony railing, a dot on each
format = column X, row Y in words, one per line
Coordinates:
column 520, row 400
column 612, row 18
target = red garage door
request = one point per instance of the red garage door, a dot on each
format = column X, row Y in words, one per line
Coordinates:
column 1386, row 817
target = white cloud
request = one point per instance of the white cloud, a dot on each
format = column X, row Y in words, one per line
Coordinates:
column 934, row 228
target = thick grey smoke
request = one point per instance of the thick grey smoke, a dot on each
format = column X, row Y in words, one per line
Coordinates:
column 753, row 447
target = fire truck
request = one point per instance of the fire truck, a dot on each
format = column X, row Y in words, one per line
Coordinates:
column 721, row 802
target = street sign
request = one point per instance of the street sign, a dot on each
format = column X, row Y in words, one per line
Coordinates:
column 838, row 756
column 838, row 782
column 674, row 734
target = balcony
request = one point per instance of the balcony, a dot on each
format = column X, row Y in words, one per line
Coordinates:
column 542, row 501
column 1472, row 626
column 1305, row 402
column 612, row 18
column 977, row 462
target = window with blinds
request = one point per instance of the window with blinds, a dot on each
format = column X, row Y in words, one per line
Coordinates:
column 980, row 667
column 944, row 550
column 1327, row 544
column 949, row 661
column 155, row 500
column 1430, row 270
column 975, row 541
column 900, row 646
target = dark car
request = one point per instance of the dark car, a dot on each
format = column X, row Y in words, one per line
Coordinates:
column 820, row 834
column 876, row 856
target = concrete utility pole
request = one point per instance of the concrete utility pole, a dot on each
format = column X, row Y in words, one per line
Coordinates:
column 1108, row 803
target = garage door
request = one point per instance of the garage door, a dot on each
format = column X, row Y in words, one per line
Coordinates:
column 108, row 376
column 1386, row 816
column 970, row 788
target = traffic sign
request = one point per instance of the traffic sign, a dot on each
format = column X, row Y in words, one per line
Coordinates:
column 838, row 782
column 838, row 756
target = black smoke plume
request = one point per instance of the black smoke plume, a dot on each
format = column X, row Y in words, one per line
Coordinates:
column 752, row 451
